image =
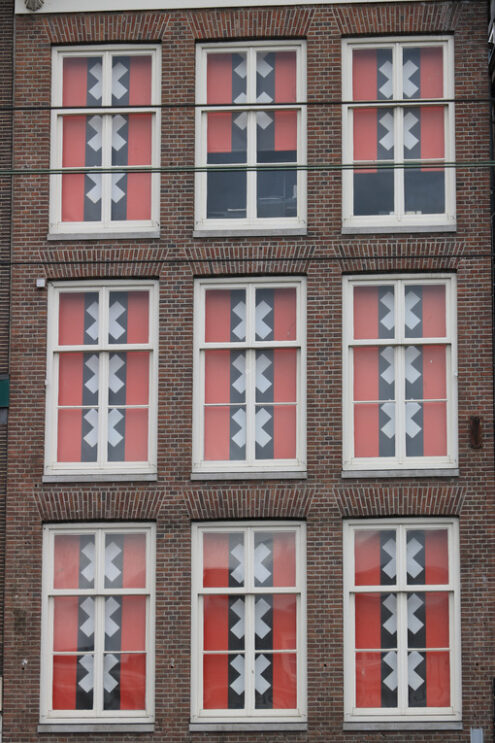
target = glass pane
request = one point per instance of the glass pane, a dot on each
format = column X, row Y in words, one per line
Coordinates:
column 78, row 318
column 74, row 561
column 374, row 430
column 223, row 681
column 124, row 681
column 276, row 314
column 223, row 559
column 225, row 376
column 426, row 429
column 128, row 317
column 376, row 679
column 131, row 80
column 226, row 195
column 425, row 311
column 128, row 435
column 128, row 378
column 223, row 622
column 374, row 312
column 374, row 373
column 424, row 191
column 77, row 437
column 428, row 679
column 275, row 432
column 274, row 558
column 225, row 432
column 277, row 193
column 373, row 192
column 227, row 137
column 125, row 560
column 78, row 379
column 275, row 622
column 427, row 557
column 275, row 680
column 372, row 74
column 422, row 72
column 81, row 147
column 276, row 77
column 373, row 140
column 125, row 623
column 276, row 136
column 73, row 682
column 73, row 623
column 226, row 78
column 82, row 81
column 376, row 620
column 425, row 372
column 131, row 145
column 428, row 620
column 276, row 375
column 225, row 315
column 375, row 557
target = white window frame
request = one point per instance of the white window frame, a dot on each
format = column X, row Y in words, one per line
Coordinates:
column 406, row 714
column 399, row 221
column 250, row 465
column 101, row 469
column 400, row 461
column 106, row 226
column 251, row 223
column 249, row 591
column 84, row 717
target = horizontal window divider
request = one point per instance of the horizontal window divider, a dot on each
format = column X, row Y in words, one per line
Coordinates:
column 422, row 588
column 251, row 591
column 400, row 341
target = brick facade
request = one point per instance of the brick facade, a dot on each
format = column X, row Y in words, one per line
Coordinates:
column 324, row 255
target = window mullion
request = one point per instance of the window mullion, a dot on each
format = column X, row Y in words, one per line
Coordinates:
column 106, row 161
column 400, row 415
column 399, row 157
column 250, row 406
column 103, row 381
column 249, row 662
column 251, row 175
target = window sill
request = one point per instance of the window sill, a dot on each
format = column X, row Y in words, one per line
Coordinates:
column 430, row 725
column 302, row 475
column 101, row 477
column 131, row 235
column 96, row 727
column 431, row 472
column 384, row 229
column 225, row 727
column 254, row 232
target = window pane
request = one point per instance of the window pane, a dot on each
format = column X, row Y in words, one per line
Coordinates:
column 274, row 559
column 225, row 432
column 275, row 77
column 128, row 435
column 373, row 138
column 276, row 136
column 223, row 681
column 131, row 80
column 73, row 682
column 376, row 620
column 424, row 191
column 226, row 197
column 129, row 378
column 124, row 681
column 225, row 376
column 428, row 679
column 223, row 622
column 374, row 312
column 78, row 318
column 223, row 559
column 77, row 439
column 82, row 81
column 422, row 72
column 376, row 679
column 73, row 623
column 276, row 314
column 374, row 430
column 427, row 557
column 425, row 311
column 275, row 431
column 425, row 372
column 131, row 145
column 275, row 681
column 78, row 379
column 226, row 76
column 81, row 147
column 227, row 137
column 374, row 373
column 275, row 622
column 128, row 317
column 428, row 620
column 125, row 623
column 277, row 193
column 426, row 429
column 74, row 561
column 125, row 560
column 372, row 74
column 276, row 375
column 225, row 315
column 375, row 557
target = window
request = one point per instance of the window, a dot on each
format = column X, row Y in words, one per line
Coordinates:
column 248, row 639
column 410, row 123
column 402, row 614
column 98, row 623
column 249, row 376
column 101, row 379
column 105, row 117
column 250, row 114
column 399, row 372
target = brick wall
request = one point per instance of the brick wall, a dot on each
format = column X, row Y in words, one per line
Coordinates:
column 324, row 255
